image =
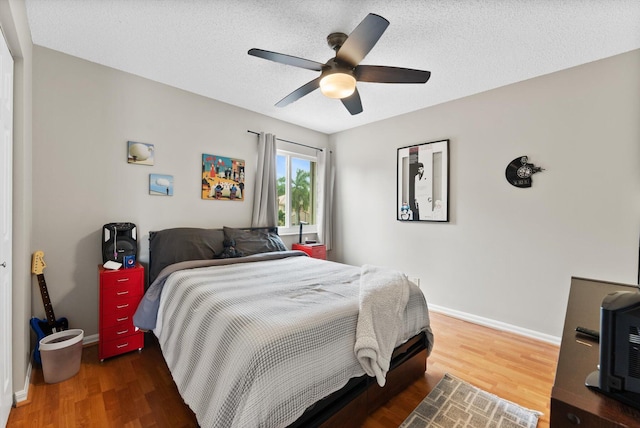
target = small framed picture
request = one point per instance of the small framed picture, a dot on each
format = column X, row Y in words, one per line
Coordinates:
column 423, row 182
column 161, row 185
column 140, row 153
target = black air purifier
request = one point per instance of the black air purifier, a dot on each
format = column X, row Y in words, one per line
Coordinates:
column 119, row 240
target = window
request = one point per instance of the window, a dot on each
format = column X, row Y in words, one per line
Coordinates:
column 297, row 195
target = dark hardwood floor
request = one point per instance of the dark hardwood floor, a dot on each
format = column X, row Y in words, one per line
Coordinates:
column 136, row 389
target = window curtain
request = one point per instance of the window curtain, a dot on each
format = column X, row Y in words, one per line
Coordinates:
column 265, row 197
column 325, row 195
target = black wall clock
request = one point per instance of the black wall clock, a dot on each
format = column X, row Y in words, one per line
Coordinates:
column 519, row 172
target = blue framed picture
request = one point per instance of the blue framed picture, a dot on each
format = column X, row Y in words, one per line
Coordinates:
column 161, row 185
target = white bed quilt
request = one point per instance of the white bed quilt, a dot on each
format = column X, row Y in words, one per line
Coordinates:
column 255, row 344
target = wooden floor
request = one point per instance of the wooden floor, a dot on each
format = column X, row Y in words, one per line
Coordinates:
column 136, row 389
column 510, row 366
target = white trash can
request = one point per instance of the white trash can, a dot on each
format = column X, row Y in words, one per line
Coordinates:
column 61, row 354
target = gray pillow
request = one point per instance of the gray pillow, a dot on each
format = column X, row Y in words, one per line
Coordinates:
column 180, row 244
column 255, row 241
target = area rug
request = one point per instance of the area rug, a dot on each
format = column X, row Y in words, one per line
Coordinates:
column 454, row 403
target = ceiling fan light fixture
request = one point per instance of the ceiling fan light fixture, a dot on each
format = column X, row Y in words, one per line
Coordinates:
column 338, row 85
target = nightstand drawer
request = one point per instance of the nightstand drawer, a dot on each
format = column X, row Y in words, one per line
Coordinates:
column 317, row 251
column 120, row 292
column 117, row 318
column 119, row 308
column 110, row 348
column 122, row 277
column 118, row 332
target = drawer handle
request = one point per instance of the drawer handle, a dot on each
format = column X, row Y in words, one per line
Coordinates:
column 573, row 418
column 122, row 319
column 122, row 346
column 122, row 306
column 123, row 279
column 122, row 293
column 123, row 331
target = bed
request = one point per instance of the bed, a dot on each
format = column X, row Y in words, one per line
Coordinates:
column 257, row 335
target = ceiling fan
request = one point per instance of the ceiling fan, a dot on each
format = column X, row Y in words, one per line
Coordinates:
column 338, row 75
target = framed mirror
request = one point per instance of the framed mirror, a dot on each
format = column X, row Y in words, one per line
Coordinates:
column 423, row 182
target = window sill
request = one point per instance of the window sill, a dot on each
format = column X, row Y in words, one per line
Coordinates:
column 290, row 231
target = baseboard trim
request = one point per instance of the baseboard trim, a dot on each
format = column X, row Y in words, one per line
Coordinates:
column 90, row 340
column 498, row 325
column 22, row 397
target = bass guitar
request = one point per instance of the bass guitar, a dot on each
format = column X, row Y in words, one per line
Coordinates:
column 49, row 325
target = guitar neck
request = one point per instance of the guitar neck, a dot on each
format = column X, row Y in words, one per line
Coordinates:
column 46, row 301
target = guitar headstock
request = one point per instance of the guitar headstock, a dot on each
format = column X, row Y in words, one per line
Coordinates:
column 37, row 263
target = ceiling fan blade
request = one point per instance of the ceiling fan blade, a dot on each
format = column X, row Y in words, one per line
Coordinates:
column 300, row 92
column 353, row 103
column 286, row 59
column 362, row 39
column 382, row 74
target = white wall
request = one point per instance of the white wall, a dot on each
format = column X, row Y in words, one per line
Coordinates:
column 84, row 114
column 507, row 254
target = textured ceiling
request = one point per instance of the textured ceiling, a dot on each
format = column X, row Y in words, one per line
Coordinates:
column 469, row 46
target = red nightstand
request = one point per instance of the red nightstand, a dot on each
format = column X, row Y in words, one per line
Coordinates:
column 317, row 251
column 120, row 293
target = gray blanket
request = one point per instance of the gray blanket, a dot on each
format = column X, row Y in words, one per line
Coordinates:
column 383, row 298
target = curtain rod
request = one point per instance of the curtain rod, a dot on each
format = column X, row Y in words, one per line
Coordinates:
column 287, row 141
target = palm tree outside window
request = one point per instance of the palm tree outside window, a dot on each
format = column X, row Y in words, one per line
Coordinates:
column 296, row 182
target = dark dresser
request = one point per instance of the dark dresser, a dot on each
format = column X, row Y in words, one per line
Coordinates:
column 572, row 403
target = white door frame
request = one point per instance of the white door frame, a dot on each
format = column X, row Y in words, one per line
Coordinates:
column 6, row 192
